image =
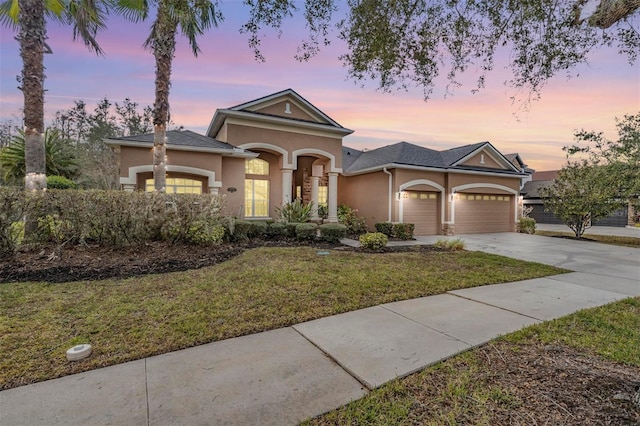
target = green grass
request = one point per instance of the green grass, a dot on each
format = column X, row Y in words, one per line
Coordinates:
column 607, row 239
column 464, row 389
column 263, row 289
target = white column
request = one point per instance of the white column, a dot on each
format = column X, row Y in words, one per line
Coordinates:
column 333, row 197
column 287, row 182
column 315, row 180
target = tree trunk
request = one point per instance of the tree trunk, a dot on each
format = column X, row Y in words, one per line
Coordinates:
column 609, row 12
column 163, row 46
column 32, row 36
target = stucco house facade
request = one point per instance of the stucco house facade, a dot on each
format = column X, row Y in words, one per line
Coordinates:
column 270, row 151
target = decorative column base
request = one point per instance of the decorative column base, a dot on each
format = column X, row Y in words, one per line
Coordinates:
column 448, row 229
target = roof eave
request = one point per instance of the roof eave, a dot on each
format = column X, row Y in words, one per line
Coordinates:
column 222, row 114
column 231, row 152
column 493, row 149
column 505, row 173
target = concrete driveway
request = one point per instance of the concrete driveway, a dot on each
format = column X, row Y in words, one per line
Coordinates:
column 601, row 260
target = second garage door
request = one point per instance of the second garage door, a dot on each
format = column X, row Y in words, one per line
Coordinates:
column 421, row 209
column 480, row 213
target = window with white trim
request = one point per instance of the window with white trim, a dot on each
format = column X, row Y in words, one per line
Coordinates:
column 177, row 186
column 256, row 189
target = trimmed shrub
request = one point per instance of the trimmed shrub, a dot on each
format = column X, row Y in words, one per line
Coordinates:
column 332, row 232
column 527, row 225
column 206, row 234
column 258, row 229
column 349, row 217
column 291, row 228
column 385, row 227
column 276, row 230
column 12, row 208
column 240, row 232
column 307, row 231
column 403, row 231
column 373, row 240
column 60, row 182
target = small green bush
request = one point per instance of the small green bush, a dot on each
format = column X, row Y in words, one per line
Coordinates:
column 332, row 232
column 60, row 182
column 258, row 230
column 349, row 217
column 240, row 232
column 373, row 240
column 527, row 225
column 12, row 208
column 206, row 234
column 291, row 229
column 306, row 231
column 385, row 227
column 403, row 231
column 276, row 230
column 452, row 245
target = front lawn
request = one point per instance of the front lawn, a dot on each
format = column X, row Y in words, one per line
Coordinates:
column 262, row 289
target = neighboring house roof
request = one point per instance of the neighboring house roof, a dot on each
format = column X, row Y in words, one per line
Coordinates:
column 405, row 154
column 184, row 140
column 531, row 188
column 251, row 110
column 545, row 175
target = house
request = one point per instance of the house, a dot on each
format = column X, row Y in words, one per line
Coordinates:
column 267, row 152
column 532, row 199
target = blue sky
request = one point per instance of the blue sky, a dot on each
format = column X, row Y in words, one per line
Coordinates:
column 225, row 74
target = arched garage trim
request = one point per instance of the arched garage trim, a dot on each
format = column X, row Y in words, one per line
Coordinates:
column 130, row 180
column 484, row 185
column 416, row 182
column 270, row 147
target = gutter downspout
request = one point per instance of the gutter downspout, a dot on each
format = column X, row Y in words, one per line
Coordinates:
column 384, row 170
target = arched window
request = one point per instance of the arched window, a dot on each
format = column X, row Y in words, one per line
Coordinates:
column 256, row 166
column 256, row 190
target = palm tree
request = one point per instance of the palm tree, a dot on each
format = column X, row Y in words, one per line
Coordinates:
column 28, row 17
column 59, row 160
column 193, row 17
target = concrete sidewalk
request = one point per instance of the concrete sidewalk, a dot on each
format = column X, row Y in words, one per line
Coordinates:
column 284, row 376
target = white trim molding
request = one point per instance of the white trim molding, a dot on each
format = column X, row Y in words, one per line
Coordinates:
column 267, row 146
column 131, row 179
column 332, row 159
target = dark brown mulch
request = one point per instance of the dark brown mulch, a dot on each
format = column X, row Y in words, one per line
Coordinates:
column 56, row 264
column 545, row 385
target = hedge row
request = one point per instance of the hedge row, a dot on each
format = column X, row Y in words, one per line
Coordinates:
column 402, row 231
column 118, row 218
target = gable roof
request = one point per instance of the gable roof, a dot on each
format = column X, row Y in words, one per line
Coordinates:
column 183, row 140
column 250, row 110
column 405, row 154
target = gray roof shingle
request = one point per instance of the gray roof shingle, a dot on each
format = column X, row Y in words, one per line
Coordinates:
column 181, row 138
column 405, row 153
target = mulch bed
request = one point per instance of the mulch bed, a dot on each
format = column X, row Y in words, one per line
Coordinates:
column 57, row 264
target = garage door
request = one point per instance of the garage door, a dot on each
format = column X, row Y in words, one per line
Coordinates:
column 541, row 216
column 421, row 209
column 479, row 213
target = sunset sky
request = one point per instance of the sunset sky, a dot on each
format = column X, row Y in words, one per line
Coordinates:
column 226, row 74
